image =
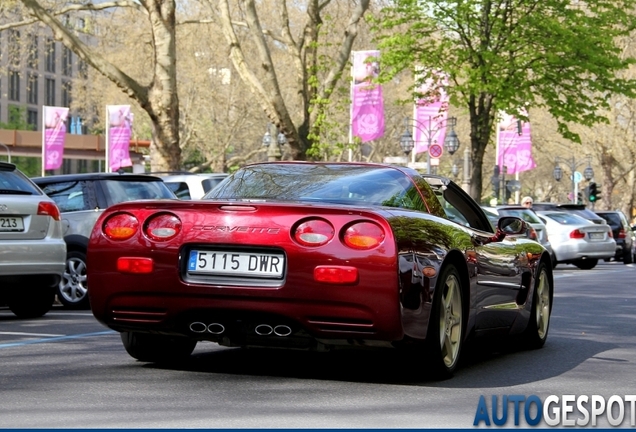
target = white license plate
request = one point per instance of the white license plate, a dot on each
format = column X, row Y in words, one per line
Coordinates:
column 236, row 263
column 596, row 236
column 11, row 224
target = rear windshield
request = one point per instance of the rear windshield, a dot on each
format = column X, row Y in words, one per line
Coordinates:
column 567, row 218
column 612, row 219
column 13, row 182
column 122, row 191
column 526, row 215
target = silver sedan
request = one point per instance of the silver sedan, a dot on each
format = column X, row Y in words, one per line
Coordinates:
column 576, row 240
column 32, row 250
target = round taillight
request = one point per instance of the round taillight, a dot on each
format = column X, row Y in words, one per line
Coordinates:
column 314, row 232
column 120, row 226
column 363, row 235
column 161, row 227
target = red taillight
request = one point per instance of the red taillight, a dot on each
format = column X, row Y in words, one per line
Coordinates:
column 363, row 235
column 621, row 234
column 314, row 232
column 576, row 234
column 163, row 226
column 120, row 226
column 134, row 265
column 611, row 234
column 336, row 274
column 46, row 208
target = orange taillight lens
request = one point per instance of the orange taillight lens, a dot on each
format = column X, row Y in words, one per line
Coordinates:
column 363, row 236
column 120, row 226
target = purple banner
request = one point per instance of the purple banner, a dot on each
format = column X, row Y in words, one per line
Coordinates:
column 119, row 131
column 514, row 149
column 54, row 136
column 430, row 113
column 367, row 106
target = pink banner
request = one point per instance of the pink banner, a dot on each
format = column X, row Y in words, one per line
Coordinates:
column 514, row 148
column 119, row 131
column 367, row 107
column 54, row 136
column 431, row 112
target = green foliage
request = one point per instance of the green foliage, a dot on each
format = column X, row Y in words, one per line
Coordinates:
column 30, row 166
column 17, row 119
column 555, row 54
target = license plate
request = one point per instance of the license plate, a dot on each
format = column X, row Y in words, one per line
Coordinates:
column 11, row 224
column 236, row 263
column 596, row 236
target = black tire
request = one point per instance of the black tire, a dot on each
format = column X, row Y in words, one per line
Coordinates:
column 32, row 303
column 72, row 291
column 157, row 348
column 627, row 257
column 536, row 333
column 586, row 264
column 445, row 335
column 553, row 260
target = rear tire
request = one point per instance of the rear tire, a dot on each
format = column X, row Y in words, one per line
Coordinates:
column 586, row 264
column 72, row 291
column 446, row 325
column 157, row 348
column 627, row 257
column 32, row 303
column 536, row 333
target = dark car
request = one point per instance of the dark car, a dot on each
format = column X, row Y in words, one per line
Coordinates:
column 81, row 199
column 317, row 256
column 622, row 233
column 577, row 209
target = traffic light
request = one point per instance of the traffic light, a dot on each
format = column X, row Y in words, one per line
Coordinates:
column 593, row 193
column 579, row 198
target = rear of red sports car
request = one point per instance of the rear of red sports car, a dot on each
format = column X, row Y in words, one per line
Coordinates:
column 257, row 274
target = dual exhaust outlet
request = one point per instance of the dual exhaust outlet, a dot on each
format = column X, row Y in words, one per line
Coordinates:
column 261, row 329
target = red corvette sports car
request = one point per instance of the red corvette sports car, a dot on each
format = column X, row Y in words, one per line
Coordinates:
column 317, row 256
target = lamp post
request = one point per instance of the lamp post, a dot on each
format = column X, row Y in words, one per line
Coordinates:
column 274, row 152
column 451, row 141
column 8, row 152
column 573, row 164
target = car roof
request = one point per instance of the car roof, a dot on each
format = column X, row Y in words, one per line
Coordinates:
column 94, row 176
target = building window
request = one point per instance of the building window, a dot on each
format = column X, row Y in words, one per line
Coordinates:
column 50, row 91
column 33, row 60
column 82, row 69
column 67, row 62
column 32, row 118
column 66, row 93
column 14, row 86
column 32, row 88
column 14, row 48
column 50, row 55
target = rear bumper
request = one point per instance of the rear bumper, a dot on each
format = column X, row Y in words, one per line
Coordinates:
column 33, row 257
column 573, row 250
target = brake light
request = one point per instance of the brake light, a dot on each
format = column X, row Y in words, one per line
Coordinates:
column 577, row 234
column 363, row 236
column 621, row 234
column 336, row 274
column 314, row 232
column 134, row 265
column 120, row 226
column 163, row 226
column 46, row 208
column 611, row 234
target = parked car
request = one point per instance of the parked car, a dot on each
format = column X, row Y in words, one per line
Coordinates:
column 576, row 240
column 577, row 209
column 187, row 185
column 32, row 250
column 317, row 256
column 530, row 217
column 622, row 233
column 81, row 199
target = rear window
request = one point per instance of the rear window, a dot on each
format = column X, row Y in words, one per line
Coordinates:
column 526, row 215
column 180, row 189
column 613, row 219
column 13, row 182
column 122, row 191
column 567, row 218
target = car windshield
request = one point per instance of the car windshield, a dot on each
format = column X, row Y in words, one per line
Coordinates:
column 332, row 183
column 566, row 218
column 526, row 215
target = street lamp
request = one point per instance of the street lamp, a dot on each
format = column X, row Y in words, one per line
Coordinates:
column 451, row 141
column 273, row 151
column 8, row 152
column 573, row 164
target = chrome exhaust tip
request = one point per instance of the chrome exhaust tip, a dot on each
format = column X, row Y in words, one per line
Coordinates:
column 264, row 330
column 282, row 330
column 198, row 327
column 216, row 328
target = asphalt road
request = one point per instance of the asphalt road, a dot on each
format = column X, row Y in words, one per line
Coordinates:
column 65, row 370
